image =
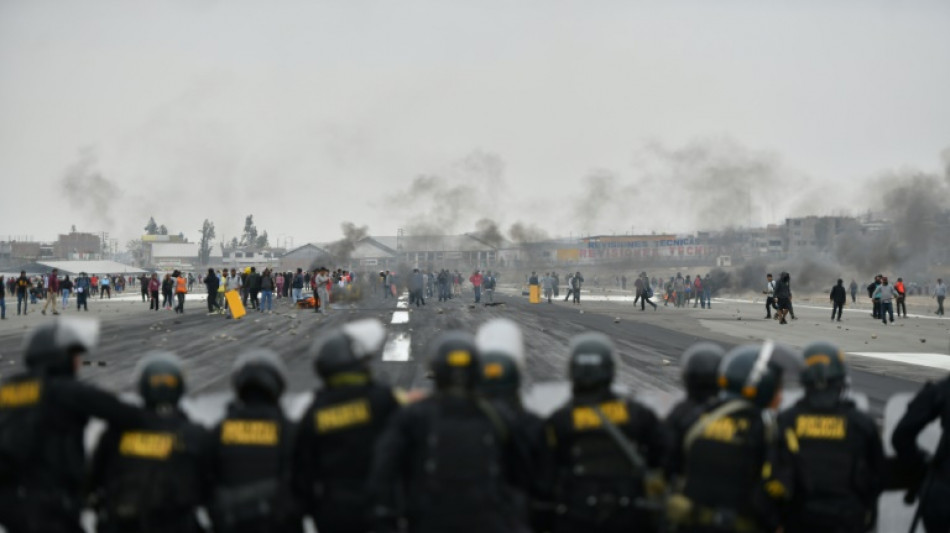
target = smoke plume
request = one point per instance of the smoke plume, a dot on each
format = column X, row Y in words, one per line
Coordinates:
column 469, row 190
column 487, row 231
column 89, row 191
column 342, row 250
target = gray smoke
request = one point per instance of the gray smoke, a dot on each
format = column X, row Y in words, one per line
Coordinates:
column 604, row 198
column 440, row 204
column 487, row 231
column 913, row 206
column 342, row 250
column 717, row 183
column 89, row 191
column 525, row 233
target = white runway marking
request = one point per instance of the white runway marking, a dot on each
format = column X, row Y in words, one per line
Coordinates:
column 930, row 360
column 400, row 317
column 397, row 348
column 402, row 304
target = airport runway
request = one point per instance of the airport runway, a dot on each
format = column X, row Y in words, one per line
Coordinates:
column 649, row 342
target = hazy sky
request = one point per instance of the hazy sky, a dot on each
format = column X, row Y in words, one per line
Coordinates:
column 308, row 114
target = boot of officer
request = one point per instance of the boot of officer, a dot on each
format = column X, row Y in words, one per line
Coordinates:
column 602, row 452
column 43, row 416
column 501, row 346
column 152, row 477
column 338, row 432
column 700, row 372
column 931, row 403
column 459, row 456
column 252, row 448
column 835, row 457
column 728, row 453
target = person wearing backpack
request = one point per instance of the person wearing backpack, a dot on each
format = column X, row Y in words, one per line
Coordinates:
column 603, row 453
column 576, row 283
column 459, row 456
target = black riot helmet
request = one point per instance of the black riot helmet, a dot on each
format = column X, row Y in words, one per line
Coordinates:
column 50, row 348
column 749, row 372
column 347, row 350
column 259, row 373
column 700, row 364
column 501, row 346
column 454, row 361
column 160, row 381
column 592, row 362
column 825, row 374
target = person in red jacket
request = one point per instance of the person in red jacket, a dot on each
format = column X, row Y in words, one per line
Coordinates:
column 476, row 279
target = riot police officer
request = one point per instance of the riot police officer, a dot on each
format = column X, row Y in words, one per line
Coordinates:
column 337, row 434
column 700, row 364
column 602, row 451
column 501, row 346
column 835, row 457
column 458, row 455
column 152, row 477
column 932, row 402
column 252, row 452
column 728, row 454
column 43, row 416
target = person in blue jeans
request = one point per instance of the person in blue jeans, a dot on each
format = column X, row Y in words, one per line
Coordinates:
column 707, row 291
column 267, row 292
column 23, row 286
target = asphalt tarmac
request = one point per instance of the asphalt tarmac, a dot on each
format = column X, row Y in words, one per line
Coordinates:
column 649, row 342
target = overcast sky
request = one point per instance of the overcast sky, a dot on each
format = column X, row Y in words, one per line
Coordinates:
column 307, row 114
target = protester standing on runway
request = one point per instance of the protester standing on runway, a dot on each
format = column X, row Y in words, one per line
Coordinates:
column 576, row 282
column 322, row 278
column 23, row 286
column 211, row 284
column 143, row 285
column 547, row 286
column 267, row 292
column 900, row 303
column 3, row 299
column 153, row 287
column 53, row 288
column 646, row 292
column 854, row 291
column 105, row 287
column 476, row 280
column 297, row 286
column 838, row 299
column 181, row 288
column 885, row 295
column 940, row 293
column 769, row 293
column 65, row 288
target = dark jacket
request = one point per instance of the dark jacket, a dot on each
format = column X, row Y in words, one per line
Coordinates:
column 334, row 451
column 152, row 477
column 838, row 294
column 458, row 463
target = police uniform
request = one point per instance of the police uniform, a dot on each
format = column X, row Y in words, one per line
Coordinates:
column 458, row 456
column 43, row 417
column 599, row 474
column 152, row 477
column 338, row 432
column 834, row 454
column 931, row 403
column 700, row 374
column 501, row 347
column 729, row 483
column 252, row 454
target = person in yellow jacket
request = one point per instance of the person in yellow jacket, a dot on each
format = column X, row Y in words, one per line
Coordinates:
column 181, row 288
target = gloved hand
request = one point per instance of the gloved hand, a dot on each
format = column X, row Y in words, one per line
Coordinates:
column 678, row 509
column 654, row 484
